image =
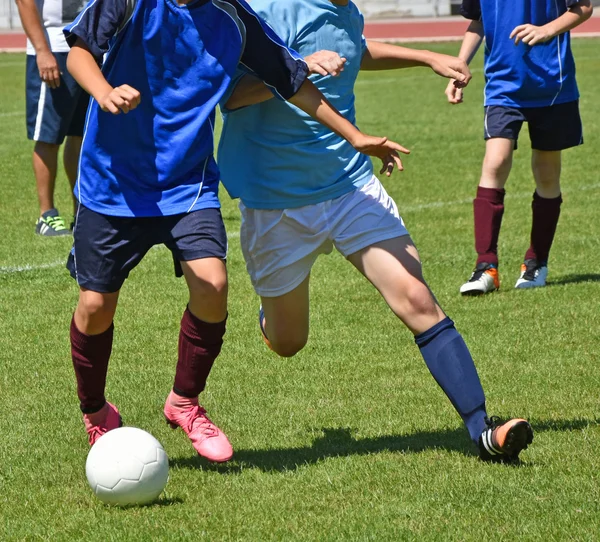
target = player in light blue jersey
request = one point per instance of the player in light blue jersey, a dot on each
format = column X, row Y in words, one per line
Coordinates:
column 530, row 77
column 304, row 190
column 147, row 176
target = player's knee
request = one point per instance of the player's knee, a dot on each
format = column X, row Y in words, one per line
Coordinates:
column 209, row 288
column 288, row 347
column 420, row 302
column 97, row 309
column 497, row 167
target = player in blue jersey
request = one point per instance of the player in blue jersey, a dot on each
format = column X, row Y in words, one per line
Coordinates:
column 530, row 77
column 147, row 176
column 304, row 190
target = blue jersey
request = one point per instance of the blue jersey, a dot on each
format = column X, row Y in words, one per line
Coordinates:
column 273, row 155
column 158, row 159
column 523, row 75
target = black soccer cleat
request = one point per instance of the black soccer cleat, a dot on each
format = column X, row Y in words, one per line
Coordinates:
column 502, row 442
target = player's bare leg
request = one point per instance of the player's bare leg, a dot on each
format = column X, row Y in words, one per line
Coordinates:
column 91, row 346
column 200, row 341
column 393, row 267
column 285, row 324
column 488, row 208
column 546, row 168
column 45, row 165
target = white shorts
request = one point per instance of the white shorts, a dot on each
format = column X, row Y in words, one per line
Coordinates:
column 280, row 246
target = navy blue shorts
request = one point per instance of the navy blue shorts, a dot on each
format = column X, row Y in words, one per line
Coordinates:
column 53, row 113
column 552, row 128
column 106, row 248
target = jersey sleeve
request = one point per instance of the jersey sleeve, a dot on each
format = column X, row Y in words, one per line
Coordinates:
column 471, row 9
column 265, row 54
column 98, row 23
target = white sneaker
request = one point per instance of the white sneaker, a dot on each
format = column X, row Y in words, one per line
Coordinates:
column 483, row 280
column 532, row 275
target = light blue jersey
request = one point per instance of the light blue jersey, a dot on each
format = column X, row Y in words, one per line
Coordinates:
column 523, row 75
column 273, row 155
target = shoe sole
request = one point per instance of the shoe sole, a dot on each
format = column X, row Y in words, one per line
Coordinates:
column 517, row 439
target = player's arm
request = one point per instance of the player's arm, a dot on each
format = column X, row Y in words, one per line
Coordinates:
column 32, row 24
column 578, row 12
column 83, row 66
column 470, row 45
column 251, row 90
column 384, row 56
column 89, row 36
column 286, row 74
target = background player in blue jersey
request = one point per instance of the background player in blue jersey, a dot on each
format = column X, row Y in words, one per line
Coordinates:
column 149, row 177
column 304, row 190
column 530, row 77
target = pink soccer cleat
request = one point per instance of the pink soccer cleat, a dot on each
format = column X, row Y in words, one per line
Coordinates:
column 208, row 440
column 101, row 422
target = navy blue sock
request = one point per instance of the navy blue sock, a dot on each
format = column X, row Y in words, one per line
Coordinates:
column 450, row 362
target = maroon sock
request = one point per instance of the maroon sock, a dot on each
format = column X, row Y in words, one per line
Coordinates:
column 199, row 345
column 543, row 227
column 90, row 355
column 488, row 208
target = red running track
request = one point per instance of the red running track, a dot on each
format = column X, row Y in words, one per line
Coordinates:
column 397, row 30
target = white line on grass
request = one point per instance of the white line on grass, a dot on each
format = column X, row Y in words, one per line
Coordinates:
column 234, row 235
column 12, row 114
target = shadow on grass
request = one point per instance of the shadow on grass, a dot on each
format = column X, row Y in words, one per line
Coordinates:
column 340, row 443
column 575, row 279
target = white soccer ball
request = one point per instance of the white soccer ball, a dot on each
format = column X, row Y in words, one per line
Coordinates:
column 127, row 466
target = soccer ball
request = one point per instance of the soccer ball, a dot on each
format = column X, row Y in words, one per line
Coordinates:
column 127, row 466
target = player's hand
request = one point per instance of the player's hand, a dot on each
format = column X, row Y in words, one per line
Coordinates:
column 530, row 34
column 380, row 147
column 325, row 63
column 123, row 98
column 48, row 68
column 451, row 67
column 454, row 93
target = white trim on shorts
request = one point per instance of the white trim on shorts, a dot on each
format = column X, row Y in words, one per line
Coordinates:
column 40, row 111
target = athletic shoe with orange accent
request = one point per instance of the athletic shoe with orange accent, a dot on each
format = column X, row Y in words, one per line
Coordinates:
column 484, row 279
column 208, row 440
column 261, row 323
column 502, row 442
column 533, row 275
column 98, row 423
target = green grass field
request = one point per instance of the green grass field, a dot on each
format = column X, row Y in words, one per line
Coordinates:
column 351, row 439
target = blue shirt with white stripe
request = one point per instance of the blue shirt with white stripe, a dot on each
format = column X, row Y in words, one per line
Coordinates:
column 523, row 75
column 158, row 159
column 288, row 159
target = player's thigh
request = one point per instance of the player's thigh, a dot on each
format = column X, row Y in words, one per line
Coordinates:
column 280, row 246
column 207, row 283
column 287, row 319
column 394, row 268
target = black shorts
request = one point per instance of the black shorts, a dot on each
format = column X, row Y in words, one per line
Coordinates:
column 552, row 128
column 53, row 113
column 106, row 248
